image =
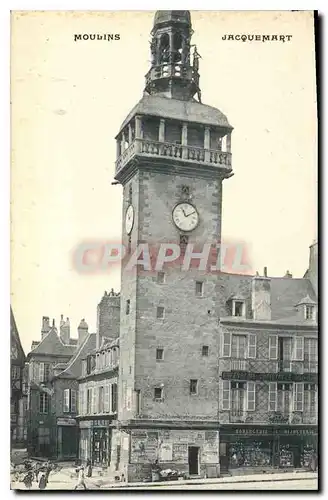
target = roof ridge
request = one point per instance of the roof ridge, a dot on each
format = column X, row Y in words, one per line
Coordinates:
column 76, row 354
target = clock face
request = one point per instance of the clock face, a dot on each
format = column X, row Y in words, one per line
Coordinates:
column 185, row 216
column 129, row 218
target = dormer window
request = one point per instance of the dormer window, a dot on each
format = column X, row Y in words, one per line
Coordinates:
column 309, row 312
column 238, row 308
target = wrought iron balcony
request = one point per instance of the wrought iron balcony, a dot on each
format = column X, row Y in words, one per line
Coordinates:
column 185, row 153
column 260, row 416
column 266, row 366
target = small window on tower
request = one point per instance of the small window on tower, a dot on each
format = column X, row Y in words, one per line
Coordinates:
column 193, row 386
column 130, row 194
column 185, row 191
column 160, row 277
column 160, row 312
column 158, row 393
column 159, row 354
column 199, row 288
column 205, row 350
column 127, row 311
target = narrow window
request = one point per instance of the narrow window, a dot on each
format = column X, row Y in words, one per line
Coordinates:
column 44, row 402
column 238, row 308
column 159, row 354
column 185, row 190
column 199, row 288
column 130, row 194
column 160, row 277
column 205, row 350
column 73, row 401
column 66, row 401
column 193, row 386
column 127, row 310
column 158, row 393
column 309, row 312
column 160, row 312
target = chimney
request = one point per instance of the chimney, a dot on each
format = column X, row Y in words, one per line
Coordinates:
column 313, row 266
column 45, row 326
column 82, row 331
column 64, row 330
column 288, row 274
column 261, row 297
column 108, row 317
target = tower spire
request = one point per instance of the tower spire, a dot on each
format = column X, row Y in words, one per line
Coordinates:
column 171, row 73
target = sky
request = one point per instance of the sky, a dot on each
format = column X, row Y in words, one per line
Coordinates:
column 69, row 99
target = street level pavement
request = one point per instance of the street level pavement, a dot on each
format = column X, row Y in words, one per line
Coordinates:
column 284, row 481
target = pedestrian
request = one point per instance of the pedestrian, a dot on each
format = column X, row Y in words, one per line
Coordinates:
column 43, row 481
column 80, row 479
column 89, row 468
column 47, row 471
column 28, row 480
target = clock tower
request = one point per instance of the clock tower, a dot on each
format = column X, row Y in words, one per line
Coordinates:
column 173, row 153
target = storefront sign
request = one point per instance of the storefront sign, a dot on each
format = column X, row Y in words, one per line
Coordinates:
column 267, row 431
column 180, row 453
column 100, row 423
column 166, row 452
column 271, row 377
column 66, row 421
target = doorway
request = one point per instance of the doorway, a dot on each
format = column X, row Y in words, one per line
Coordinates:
column 193, row 459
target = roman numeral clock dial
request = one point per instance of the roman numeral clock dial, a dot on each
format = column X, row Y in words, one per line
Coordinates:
column 185, row 216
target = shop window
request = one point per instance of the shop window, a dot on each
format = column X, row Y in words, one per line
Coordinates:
column 205, row 350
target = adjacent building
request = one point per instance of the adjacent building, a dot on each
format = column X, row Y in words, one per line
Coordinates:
column 18, row 392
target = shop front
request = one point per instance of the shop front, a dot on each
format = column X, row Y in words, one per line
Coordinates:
column 267, row 447
column 67, row 438
column 95, row 442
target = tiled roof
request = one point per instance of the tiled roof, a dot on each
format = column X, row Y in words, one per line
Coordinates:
column 286, row 293
column 51, row 344
column 15, row 335
column 174, row 109
column 74, row 367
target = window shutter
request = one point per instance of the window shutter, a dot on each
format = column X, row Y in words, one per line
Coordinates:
column 298, row 396
column 66, row 401
column 251, row 396
column 110, row 402
column 298, row 351
column 93, row 396
column 272, row 396
column 273, row 347
column 73, row 401
column 252, row 346
column 226, row 395
column 41, row 372
column 226, row 350
column 81, row 402
column 106, row 398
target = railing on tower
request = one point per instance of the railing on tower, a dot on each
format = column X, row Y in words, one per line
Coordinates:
column 149, row 147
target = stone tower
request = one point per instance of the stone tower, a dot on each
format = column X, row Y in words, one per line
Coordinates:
column 173, row 153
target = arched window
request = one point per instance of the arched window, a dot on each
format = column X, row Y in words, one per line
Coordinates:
column 164, row 49
column 177, row 48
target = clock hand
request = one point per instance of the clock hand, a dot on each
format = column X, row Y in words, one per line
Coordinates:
column 191, row 213
column 184, row 213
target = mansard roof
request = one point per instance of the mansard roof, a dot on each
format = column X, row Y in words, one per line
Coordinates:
column 52, row 345
column 285, row 293
column 174, row 109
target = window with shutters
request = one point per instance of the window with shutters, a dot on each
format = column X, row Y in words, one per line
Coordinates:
column 252, row 346
column 238, row 398
column 89, row 401
column 298, row 396
column 106, row 398
column 284, row 398
column 310, row 399
column 226, row 345
column 44, row 402
column 310, row 355
column 81, row 400
column 273, row 347
column 251, row 396
column 226, row 395
column 114, row 398
column 238, row 346
column 101, row 400
column 272, row 405
column 73, row 400
column 66, row 401
column 298, row 349
column 285, row 353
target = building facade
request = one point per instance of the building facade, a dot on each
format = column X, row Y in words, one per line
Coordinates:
column 18, row 389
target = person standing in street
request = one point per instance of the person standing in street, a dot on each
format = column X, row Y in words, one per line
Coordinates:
column 80, row 479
